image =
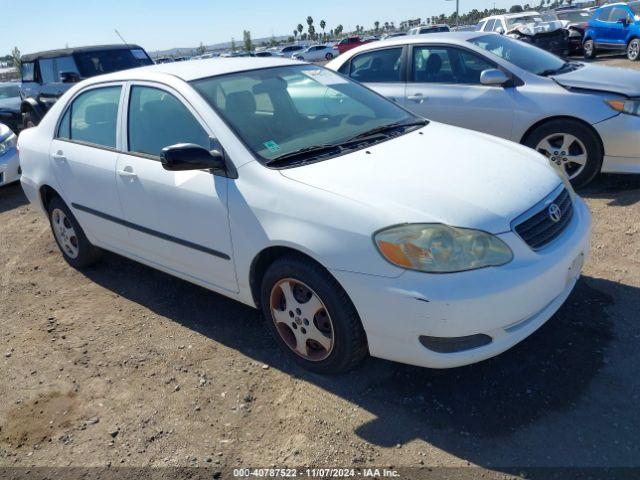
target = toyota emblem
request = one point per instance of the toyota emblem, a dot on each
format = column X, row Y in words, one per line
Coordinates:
column 555, row 213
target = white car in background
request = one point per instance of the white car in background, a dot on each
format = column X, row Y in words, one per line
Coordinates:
column 356, row 226
column 290, row 50
column 583, row 117
column 9, row 162
column 317, row 53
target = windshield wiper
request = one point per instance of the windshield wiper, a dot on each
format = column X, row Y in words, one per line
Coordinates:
column 384, row 129
column 566, row 67
column 310, row 151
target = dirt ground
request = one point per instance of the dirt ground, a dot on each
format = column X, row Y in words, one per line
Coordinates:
column 123, row 366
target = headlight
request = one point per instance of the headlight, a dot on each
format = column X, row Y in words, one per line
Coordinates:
column 8, row 143
column 437, row 248
column 631, row 107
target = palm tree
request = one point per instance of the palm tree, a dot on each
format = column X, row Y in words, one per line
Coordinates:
column 322, row 25
column 309, row 21
column 339, row 30
column 295, row 35
column 312, row 32
column 377, row 25
column 300, row 28
column 386, row 26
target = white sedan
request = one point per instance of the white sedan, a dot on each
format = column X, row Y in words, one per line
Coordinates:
column 354, row 225
column 9, row 164
column 317, row 53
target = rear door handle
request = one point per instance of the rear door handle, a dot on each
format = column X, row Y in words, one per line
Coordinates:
column 418, row 98
column 59, row 156
column 127, row 173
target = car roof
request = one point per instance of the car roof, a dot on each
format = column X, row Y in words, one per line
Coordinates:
column 65, row 52
column 196, row 69
column 453, row 37
column 512, row 15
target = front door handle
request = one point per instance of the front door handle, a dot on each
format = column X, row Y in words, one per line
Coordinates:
column 418, row 98
column 127, row 173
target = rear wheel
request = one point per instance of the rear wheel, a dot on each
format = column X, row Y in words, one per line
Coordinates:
column 589, row 49
column 572, row 146
column 73, row 243
column 329, row 56
column 311, row 316
column 29, row 119
column 633, row 50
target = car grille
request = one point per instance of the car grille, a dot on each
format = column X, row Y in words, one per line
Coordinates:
column 541, row 229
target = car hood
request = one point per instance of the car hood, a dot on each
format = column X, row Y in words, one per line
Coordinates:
column 534, row 28
column 439, row 174
column 606, row 79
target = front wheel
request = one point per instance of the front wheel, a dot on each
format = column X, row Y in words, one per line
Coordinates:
column 329, row 56
column 311, row 316
column 571, row 145
column 73, row 243
column 633, row 50
column 589, row 50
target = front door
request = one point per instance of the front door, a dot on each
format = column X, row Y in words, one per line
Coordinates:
column 444, row 85
column 83, row 154
column 177, row 220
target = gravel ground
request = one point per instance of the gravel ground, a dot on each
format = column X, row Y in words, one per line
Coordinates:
column 123, row 366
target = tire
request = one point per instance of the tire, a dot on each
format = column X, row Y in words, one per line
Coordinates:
column 328, row 56
column 347, row 337
column 589, row 48
column 86, row 253
column 633, row 49
column 29, row 120
column 586, row 139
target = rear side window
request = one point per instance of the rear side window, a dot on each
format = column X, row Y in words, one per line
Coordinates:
column 47, row 72
column 157, row 119
column 66, row 65
column 27, row 70
column 92, row 117
column 378, row 66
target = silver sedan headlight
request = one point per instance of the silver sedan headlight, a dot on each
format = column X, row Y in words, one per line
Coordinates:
column 630, row 107
column 8, row 143
column 438, row 248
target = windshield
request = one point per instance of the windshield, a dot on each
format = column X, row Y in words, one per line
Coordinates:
column 95, row 63
column 280, row 111
column 575, row 16
column 9, row 91
column 521, row 54
column 515, row 21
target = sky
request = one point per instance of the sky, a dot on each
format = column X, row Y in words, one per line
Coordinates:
column 163, row 24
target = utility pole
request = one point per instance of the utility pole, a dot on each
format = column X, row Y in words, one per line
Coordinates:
column 457, row 12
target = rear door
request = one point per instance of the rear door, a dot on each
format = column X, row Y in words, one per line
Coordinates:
column 178, row 220
column 383, row 70
column 444, row 85
column 84, row 154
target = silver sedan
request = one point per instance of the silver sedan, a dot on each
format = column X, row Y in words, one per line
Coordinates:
column 585, row 118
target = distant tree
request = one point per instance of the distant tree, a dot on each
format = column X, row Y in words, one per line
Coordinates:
column 312, row 32
column 273, row 41
column 377, row 25
column 300, row 28
column 357, row 28
column 515, row 9
column 386, row 26
column 16, row 58
column 295, row 34
column 233, row 44
column 323, row 24
column 339, row 29
column 309, row 20
column 248, row 44
column 201, row 49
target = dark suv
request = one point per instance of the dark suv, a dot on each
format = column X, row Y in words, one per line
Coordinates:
column 47, row 75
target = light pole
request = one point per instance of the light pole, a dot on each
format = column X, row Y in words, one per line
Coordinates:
column 457, row 11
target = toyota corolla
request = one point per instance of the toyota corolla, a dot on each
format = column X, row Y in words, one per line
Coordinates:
column 356, row 226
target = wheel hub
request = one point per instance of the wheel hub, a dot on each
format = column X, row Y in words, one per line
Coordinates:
column 565, row 150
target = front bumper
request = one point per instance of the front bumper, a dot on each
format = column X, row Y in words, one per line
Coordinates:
column 507, row 303
column 619, row 136
column 9, row 167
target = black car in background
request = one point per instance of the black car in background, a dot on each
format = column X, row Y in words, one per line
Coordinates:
column 47, row 75
column 576, row 21
column 10, row 105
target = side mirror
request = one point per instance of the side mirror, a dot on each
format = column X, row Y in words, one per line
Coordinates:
column 623, row 21
column 189, row 156
column 69, row 77
column 493, row 76
column 499, row 30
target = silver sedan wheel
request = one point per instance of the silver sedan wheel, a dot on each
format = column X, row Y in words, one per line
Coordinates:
column 565, row 150
column 301, row 319
column 65, row 234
